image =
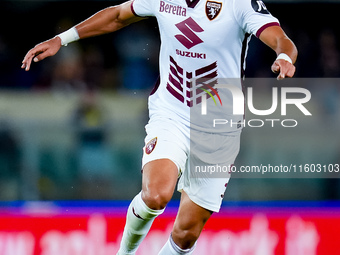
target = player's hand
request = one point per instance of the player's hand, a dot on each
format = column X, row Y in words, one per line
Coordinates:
column 283, row 68
column 41, row 51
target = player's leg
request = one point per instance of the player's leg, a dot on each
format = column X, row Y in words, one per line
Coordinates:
column 158, row 184
column 188, row 225
column 201, row 193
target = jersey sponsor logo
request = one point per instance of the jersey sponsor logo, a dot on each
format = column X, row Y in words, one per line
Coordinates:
column 172, row 9
column 191, row 87
column 190, row 54
column 150, row 146
column 189, row 28
column 212, row 9
column 259, row 6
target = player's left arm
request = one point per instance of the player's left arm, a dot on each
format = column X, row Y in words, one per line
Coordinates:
column 276, row 39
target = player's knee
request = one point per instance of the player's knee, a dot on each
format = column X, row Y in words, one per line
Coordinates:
column 156, row 200
column 185, row 239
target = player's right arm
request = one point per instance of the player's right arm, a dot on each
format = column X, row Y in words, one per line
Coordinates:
column 105, row 21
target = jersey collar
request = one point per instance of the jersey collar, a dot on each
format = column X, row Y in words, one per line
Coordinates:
column 192, row 4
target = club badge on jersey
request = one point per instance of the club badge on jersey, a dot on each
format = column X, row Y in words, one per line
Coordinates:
column 212, row 9
column 150, row 146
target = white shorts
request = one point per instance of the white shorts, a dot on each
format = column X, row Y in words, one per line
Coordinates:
column 203, row 159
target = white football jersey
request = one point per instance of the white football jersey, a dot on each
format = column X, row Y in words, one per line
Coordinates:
column 202, row 42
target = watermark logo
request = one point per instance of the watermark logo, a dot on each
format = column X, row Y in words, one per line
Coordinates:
column 281, row 98
column 204, row 97
column 239, row 98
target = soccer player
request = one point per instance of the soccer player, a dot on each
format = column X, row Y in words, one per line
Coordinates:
column 199, row 39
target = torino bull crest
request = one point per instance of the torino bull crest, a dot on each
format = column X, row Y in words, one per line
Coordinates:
column 212, row 9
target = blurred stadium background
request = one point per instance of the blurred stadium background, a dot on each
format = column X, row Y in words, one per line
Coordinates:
column 72, row 129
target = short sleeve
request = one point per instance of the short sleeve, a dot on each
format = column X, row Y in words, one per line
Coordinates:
column 253, row 16
column 143, row 8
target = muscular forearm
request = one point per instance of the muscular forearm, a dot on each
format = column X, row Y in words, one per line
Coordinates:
column 103, row 22
column 276, row 39
column 285, row 49
column 285, row 45
column 106, row 21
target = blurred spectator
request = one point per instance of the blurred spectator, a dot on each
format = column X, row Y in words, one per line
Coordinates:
column 5, row 56
column 9, row 163
column 68, row 70
column 329, row 54
column 93, row 60
column 308, row 53
column 94, row 156
column 67, row 66
column 136, row 47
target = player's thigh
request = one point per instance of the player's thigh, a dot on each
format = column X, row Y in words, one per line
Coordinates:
column 159, row 182
column 164, row 155
column 189, row 222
